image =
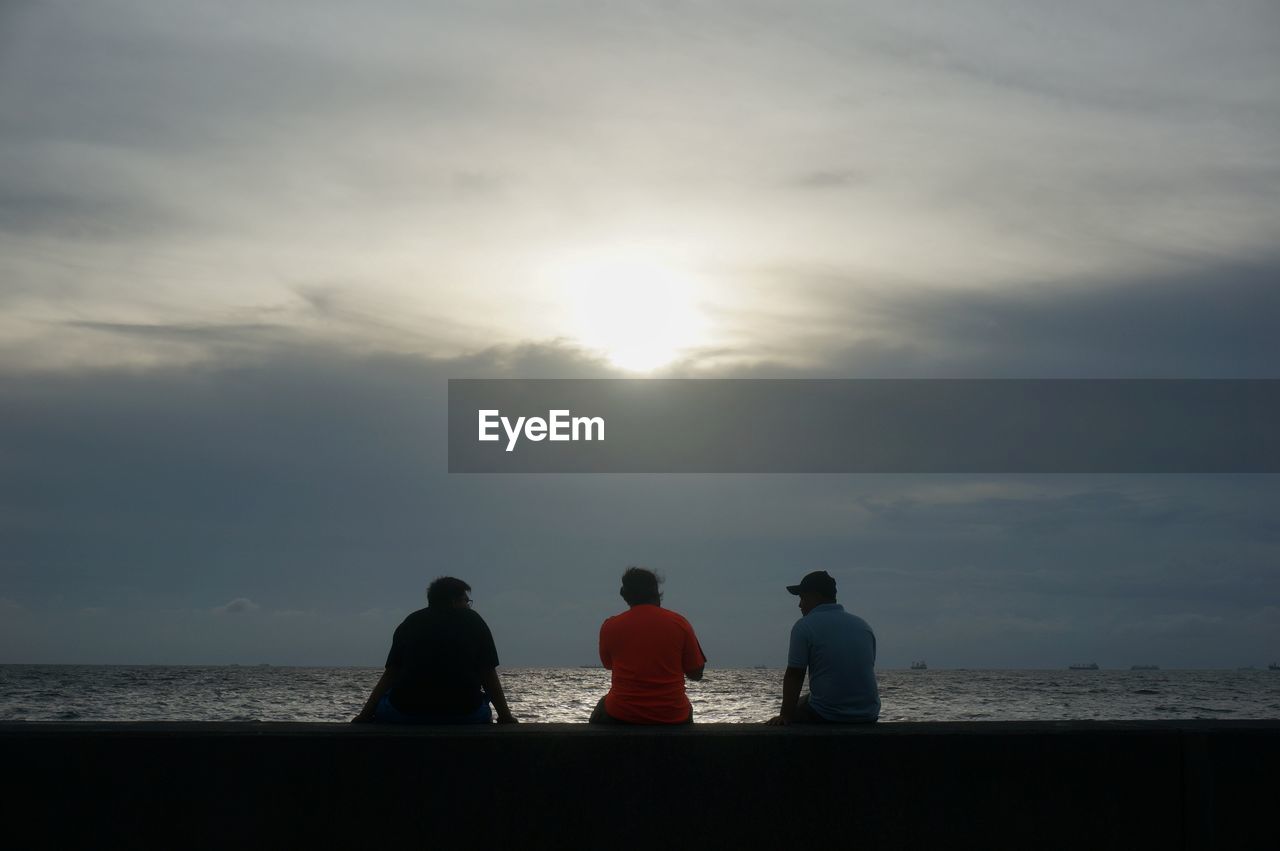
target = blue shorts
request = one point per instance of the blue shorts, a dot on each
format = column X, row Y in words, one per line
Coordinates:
column 388, row 714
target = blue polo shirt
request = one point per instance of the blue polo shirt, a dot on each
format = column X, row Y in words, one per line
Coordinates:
column 839, row 649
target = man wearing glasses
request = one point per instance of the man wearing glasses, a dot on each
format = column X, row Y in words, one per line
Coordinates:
column 442, row 668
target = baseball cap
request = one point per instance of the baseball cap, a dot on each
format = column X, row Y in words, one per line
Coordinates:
column 818, row 582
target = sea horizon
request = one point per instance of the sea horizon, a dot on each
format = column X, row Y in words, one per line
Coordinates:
column 269, row 692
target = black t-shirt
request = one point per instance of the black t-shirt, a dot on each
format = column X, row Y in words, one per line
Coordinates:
column 442, row 654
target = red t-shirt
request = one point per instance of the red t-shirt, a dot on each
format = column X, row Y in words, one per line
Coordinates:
column 649, row 649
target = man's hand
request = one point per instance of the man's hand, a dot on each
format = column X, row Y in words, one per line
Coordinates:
column 493, row 688
column 370, row 709
column 792, row 680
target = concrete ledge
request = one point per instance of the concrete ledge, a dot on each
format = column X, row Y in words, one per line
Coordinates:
column 1026, row 785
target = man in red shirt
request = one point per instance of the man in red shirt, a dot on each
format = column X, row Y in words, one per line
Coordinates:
column 650, row 651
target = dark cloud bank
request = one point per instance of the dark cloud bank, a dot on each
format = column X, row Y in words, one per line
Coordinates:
column 287, row 501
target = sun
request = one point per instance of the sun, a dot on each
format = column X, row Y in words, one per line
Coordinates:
column 640, row 313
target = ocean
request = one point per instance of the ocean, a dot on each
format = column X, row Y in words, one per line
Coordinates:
column 271, row 693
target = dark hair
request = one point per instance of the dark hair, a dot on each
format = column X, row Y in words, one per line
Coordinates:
column 640, row 585
column 446, row 590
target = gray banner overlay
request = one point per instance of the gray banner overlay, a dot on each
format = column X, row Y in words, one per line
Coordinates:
column 864, row 426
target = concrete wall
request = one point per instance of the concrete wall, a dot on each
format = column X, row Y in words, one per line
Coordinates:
column 1034, row 785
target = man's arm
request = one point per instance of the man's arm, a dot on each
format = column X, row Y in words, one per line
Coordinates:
column 693, row 660
column 792, row 680
column 606, row 658
column 371, row 705
column 493, row 688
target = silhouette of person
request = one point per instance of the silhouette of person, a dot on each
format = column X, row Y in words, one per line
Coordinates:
column 838, row 649
column 442, row 668
column 650, row 651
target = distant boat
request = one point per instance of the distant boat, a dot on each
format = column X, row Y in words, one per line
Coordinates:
column 1273, row 667
column 1092, row 666
column 919, row 666
column 761, row 667
column 1144, row 668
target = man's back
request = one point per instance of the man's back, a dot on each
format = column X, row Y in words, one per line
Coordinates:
column 649, row 649
column 441, row 655
column 839, row 649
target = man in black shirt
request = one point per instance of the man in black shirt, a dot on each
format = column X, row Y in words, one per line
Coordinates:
column 442, row 668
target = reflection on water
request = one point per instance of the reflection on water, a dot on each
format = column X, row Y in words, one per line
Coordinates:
column 234, row 693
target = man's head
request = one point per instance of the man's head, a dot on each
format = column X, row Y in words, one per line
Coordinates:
column 815, row 589
column 448, row 592
column 640, row 586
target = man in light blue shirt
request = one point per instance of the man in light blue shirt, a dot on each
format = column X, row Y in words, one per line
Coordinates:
column 839, row 651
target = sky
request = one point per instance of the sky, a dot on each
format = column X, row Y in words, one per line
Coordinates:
column 244, row 245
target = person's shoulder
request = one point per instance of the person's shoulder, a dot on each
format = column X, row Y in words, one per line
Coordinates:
column 471, row 617
column 856, row 621
column 415, row 617
column 675, row 616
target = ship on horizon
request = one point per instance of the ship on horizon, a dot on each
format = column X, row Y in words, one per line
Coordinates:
column 1273, row 667
column 1144, row 667
column 1092, row 666
column 919, row 666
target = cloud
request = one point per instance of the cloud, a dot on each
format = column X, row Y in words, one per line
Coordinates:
column 238, row 606
column 240, row 256
column 828, row 179
column 199, row 334
column 190, row 170
column 1183, row 625
column 315, row 476
column 1207, row 321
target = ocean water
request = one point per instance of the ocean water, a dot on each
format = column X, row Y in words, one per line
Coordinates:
column 270, row 693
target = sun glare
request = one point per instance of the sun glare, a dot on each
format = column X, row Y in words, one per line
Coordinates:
column 640, row 314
